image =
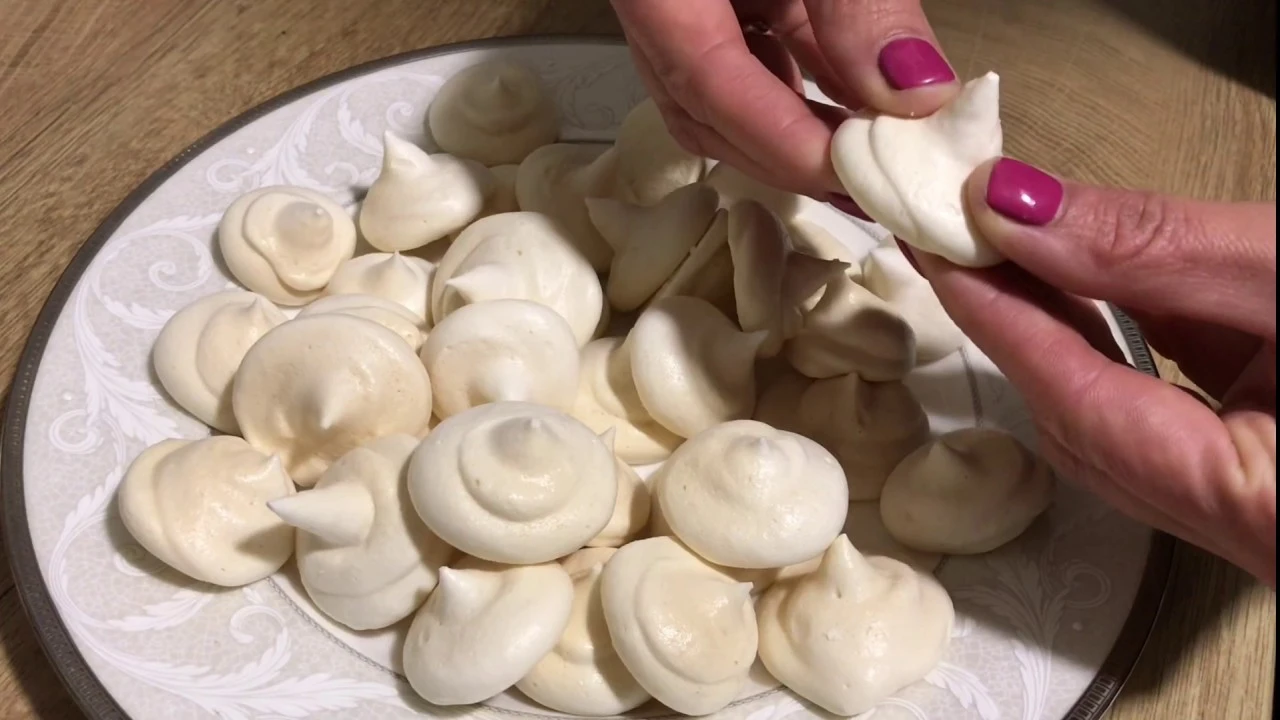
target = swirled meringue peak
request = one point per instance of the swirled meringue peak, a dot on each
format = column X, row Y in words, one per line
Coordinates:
column 501, row 350
column 968, row 492
column 419, row 198
column 630, row 509
column 887, row 273
column 685, row 630
column 402, row 279
column 855, row 631
column 285, row 242
column 650, row 242
column 390, row 315
column 583, row 674
column 746, row 495
column 651, row 164
column 514, row 482
column 850, row 330
column 909, row 174
column 318, row 386
column 365, row 558
column 200, row 348
column 201, row 507
column 693, row 368
column 556, row 179
column 707, row 273
column 495, row 113
column 607, row 400
column 485, row 628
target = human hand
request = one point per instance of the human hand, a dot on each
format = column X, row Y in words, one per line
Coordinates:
column 738, row 97
column 1200, row 280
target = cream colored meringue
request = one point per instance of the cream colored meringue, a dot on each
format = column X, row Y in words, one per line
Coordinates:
column 692, row 367
column 630, row 510
column 968, row 492
column 390, row 315
column 501, row 197
column 865, row 529
column 909, row 174
column 495, row 112
column 556, row 179
column 887, row 273
column 685, row 630
column 583, row 675
column 419, row 198
column 650, row 242
column 365, row 558
column 200, row 506
column 285, row 242
column 198, row 351
column 607, row 399
column 746, row 495
column 771, row 279
column 402, row 279
column 735, row 186
column 514, row 482
column 855, row 631
column 707, row 273
column 501, row 350
column 484, row 629
column 318, row 386
column 850, row 330
column 651, row 164
column 813, row 239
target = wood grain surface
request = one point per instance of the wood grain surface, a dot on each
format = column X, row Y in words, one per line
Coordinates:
column 1173, row 95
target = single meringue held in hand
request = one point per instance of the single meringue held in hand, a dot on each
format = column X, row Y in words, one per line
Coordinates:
column 495, row 113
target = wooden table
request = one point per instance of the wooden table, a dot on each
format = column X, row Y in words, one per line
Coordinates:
column 1176, row 95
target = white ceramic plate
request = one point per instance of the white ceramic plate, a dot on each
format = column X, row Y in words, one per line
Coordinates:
column 1048, row 627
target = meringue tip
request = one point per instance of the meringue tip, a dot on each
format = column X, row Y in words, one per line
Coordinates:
column 841, row 556
column 341, row 514
column 480, row 282
column 609, row 437
column 742, row 591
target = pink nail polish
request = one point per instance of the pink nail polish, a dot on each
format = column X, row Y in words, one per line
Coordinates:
column 846, row 205
column 909, row 63
column 1023, row 193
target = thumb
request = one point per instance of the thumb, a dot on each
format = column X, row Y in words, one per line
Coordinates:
column 1208, row 261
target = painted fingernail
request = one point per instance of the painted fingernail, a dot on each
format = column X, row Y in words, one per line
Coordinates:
column 908, row 63
column 845, row 204
column 1023, row 193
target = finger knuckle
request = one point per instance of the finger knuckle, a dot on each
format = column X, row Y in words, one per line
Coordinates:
column 1141, row 229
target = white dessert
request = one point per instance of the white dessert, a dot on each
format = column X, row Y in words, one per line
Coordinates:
column 200, row 348
column 419, row 198
column 707, row 273
column 365, row 558
column 630, row 510
column 402, row 279
column 316, row 387
column 851, row 330
column 391, row 315
column 855, row 631
column 607, row 400
column 968, row 492
column 484, row 629
column 887, row 273
column 583, row 675
column 501, row 350
column 514, row 482
column 865, row 529
column 908, row 174
column 735, row 186
column 285, row 242
column 501, row 196
column 685, row 630
column 200, row 506
column 556, row 179
column 746, row 495
column 495, row 112
column 651, row 164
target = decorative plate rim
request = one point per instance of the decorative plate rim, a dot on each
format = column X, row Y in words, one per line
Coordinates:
column 93, row 697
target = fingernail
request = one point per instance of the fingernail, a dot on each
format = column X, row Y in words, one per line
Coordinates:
column 908, row 63
column 845, row 204
column 1023, row 193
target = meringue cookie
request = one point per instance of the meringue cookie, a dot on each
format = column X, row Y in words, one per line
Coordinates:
column 556, row 179
column 365, row 558
column 692, row 367
column 501, row 197
column 887, row 273
column 285, row 242
column 735, row 186
column 685, row 630
column 494, row 112
column 582, row 675
column 201, row 507
column 608, row 400
column 865, row 529
column 968, row 492
column 402, row 279
column 318, row 386
column 746, row 495
column 855, row 631
column 501, row 350
column 514, row 482
column 630, row 510
column 419, row 198
column 850, row 330
column 771, row 280
column 198, row 351
column 651, row 164
column 391, row 315
column 484, row 629
column 650, row 242
column 707, row 273
column 909, row 174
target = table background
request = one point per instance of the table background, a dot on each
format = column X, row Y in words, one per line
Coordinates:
column 1172, row 95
